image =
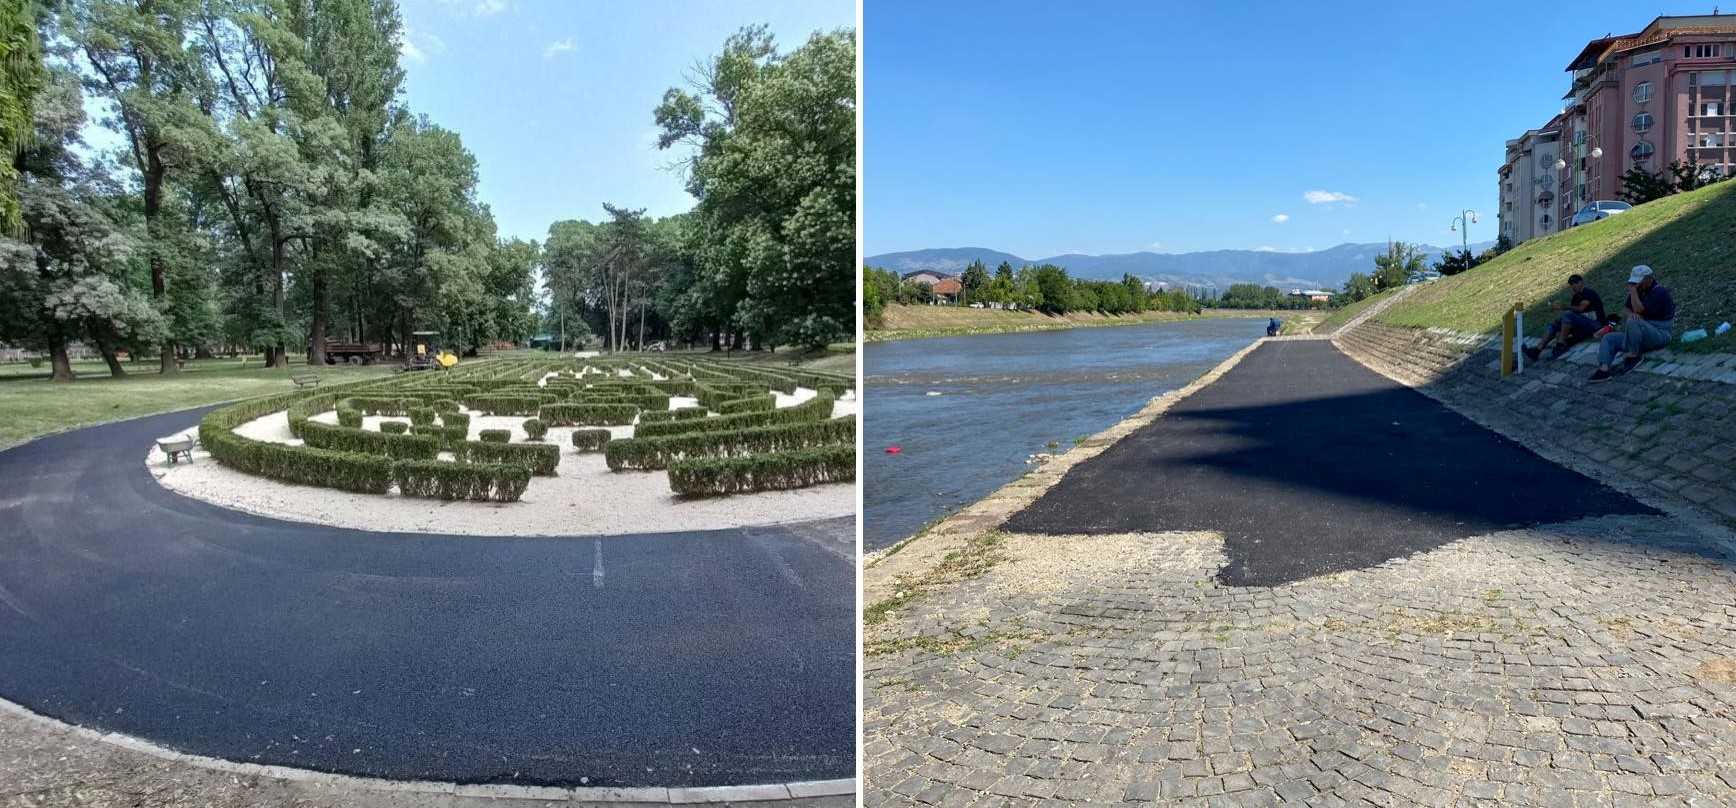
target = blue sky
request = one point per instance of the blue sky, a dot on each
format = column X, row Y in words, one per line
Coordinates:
column 1044, row 128
column 554, row 97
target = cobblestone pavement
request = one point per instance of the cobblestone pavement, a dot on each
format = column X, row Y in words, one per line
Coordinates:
column 1588, row 663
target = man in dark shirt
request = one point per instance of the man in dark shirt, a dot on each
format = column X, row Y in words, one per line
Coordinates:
column 1582, row 317
column 1649, row 325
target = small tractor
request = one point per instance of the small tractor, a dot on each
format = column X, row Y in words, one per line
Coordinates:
column 423, row 355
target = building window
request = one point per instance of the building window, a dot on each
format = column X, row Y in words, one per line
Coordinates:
column 1711, row 109
column 1643, row 122
column 1642, row 151
column 1642, row 92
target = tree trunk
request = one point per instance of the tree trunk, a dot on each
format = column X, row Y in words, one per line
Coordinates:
column 155, row 172
column 316, row 353
column 62, row 366
column 280, row 355
column 114, row 363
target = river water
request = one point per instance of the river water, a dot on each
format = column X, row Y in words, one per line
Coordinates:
column 967, row 412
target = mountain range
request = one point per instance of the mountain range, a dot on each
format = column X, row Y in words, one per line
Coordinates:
column 1317, row 269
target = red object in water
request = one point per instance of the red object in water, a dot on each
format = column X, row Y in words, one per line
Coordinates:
column 893, row 450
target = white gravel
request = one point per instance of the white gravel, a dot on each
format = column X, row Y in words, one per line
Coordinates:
column 585, row 498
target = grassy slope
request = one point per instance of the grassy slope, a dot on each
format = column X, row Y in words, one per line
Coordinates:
column 915, row 322
column 36, row 406
column 1685, row 238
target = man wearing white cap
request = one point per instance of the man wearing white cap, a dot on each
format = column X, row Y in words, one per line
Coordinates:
column 1649, row 325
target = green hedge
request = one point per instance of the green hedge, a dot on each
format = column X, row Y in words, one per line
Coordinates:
column 588, row 414
column 300, row 465
column 723, row 476
column 658, row 453
column 535, row 429
column 495, row 435
column 591, row 440
column 817, row 408
column 447, row 435
column 759, row 403
column 540, row 458
column 683, row 414
column 502, row 404
column 379, row 405
column 485, row 482
column 345, row 439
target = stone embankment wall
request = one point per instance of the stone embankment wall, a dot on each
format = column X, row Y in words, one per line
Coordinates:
column 1667, row 430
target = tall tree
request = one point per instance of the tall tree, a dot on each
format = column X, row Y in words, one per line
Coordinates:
column 139, row 61
column 352, row 55
column 21, row 77
column 773, row 168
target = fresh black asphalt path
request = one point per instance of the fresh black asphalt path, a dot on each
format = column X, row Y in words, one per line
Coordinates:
column 1308, row 463
column 707, row 658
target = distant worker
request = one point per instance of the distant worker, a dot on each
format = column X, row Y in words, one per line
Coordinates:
column 1272, row 327
column 1581, row 317
column 1648, row 326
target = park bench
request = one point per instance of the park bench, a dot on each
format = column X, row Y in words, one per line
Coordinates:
column 179, row 447
column 305, row 380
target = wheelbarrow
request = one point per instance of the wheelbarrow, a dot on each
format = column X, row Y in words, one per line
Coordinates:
column 178, row 448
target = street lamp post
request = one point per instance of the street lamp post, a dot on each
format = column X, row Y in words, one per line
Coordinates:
column 1561, row 166
column 1463, row 225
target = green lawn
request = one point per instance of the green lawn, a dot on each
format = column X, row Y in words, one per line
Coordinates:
column 36, row 406
column 1685, row 238
column 1345, row 314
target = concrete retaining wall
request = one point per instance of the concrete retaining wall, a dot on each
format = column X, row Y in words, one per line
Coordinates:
column 1667, row 430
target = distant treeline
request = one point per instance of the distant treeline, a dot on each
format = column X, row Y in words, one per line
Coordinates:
column 1045, row 288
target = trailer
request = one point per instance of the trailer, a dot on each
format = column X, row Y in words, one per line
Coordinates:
column 355, row 353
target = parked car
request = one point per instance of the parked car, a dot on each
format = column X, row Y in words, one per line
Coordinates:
column 1601, row 209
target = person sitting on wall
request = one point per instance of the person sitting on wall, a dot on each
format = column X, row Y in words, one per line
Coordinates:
column 1649, row 325
column 1581, row 317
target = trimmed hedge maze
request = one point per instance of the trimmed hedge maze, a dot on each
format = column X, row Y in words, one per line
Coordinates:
column 713, row 426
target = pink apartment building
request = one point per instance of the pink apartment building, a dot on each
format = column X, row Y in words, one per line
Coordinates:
column 1644, row 99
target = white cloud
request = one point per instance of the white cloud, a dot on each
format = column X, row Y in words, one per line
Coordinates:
column 1281, row 218
column 417, row 46
column 482, row 8
column 556, row 48
column 1324, row 197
